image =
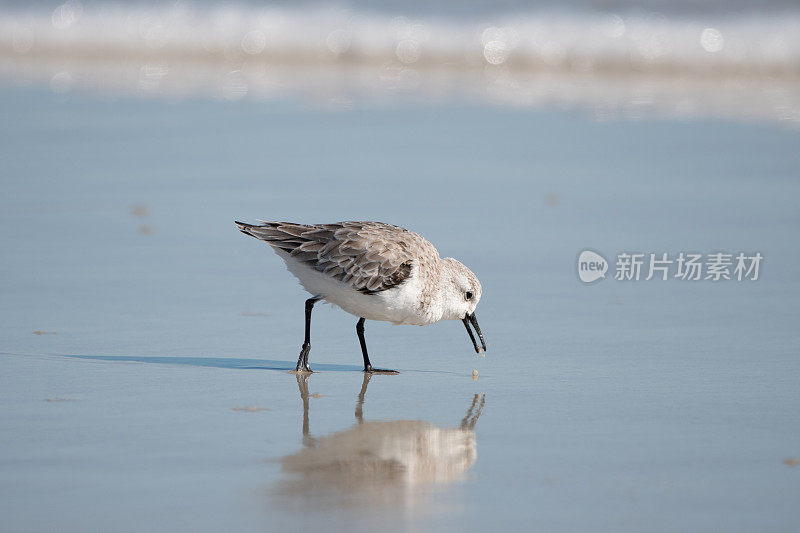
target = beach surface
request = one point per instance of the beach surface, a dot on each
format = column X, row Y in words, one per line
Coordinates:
column 146, row 344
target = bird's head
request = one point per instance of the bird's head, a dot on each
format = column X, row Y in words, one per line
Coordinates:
column 462, row 292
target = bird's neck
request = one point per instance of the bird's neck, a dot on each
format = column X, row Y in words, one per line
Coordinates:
column 442, row 298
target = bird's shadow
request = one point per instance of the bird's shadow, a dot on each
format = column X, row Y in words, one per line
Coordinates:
column 234, row 363
column 217, row 362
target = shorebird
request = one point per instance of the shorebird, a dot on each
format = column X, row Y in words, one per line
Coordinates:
column 374, row 271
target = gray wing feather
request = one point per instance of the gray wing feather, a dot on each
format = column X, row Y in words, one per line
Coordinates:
column 370, row 256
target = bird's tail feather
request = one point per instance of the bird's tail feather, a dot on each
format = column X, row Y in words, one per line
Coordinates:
column 283, row 235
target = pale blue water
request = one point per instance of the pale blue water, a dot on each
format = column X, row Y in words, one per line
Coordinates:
column 660, row 406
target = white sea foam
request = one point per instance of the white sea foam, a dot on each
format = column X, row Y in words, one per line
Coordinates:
column 769, row 42
column 240, row 50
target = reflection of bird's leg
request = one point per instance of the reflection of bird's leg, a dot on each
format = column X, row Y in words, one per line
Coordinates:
column 474, row 412
column 302, row 384
column 360, row 402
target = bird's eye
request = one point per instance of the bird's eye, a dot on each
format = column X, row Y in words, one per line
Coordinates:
column 469, row 295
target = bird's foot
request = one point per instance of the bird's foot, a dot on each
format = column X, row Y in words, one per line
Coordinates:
column 302, row 360
column 369, row 370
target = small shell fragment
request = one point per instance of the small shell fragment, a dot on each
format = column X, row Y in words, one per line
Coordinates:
column 474, row 375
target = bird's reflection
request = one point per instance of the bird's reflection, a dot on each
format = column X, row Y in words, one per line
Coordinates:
column 379, row 462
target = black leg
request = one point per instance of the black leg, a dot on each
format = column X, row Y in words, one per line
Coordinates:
column 302, row 361
column 363, row 341
column 367, row 366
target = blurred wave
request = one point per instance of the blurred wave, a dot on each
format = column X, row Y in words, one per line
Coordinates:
column 617, row 63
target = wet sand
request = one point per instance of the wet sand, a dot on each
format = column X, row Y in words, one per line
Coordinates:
column 146, row 344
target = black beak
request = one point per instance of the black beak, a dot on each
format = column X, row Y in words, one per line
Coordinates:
column 472, row 319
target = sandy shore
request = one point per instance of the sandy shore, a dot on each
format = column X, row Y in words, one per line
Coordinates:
column 143, row 366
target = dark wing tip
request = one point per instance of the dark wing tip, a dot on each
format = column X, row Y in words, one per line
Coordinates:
column 243, row 227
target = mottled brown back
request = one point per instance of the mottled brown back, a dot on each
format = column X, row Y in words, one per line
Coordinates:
column 370, row 256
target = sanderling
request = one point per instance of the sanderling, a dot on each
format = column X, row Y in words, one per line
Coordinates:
column 374, row 271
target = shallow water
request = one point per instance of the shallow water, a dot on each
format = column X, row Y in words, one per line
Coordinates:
column 146, row 343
